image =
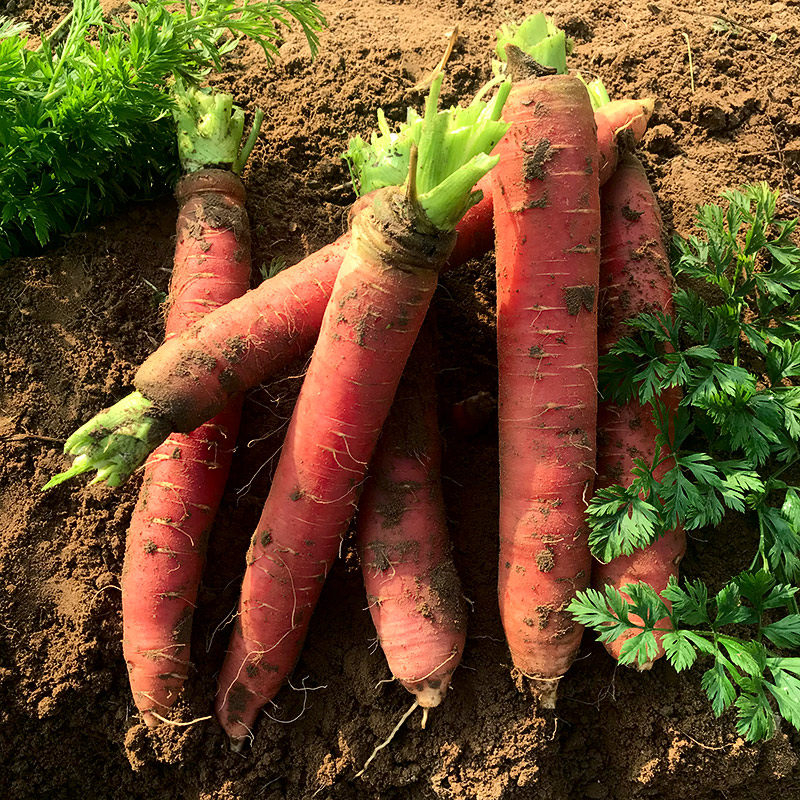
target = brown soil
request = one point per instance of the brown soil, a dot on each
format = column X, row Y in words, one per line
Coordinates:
column 77, row 319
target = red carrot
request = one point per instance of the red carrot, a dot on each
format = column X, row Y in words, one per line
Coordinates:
column 547, row 219
column 376, row 308
column 185, row 477
column 620, row 127
column 413, row 591
column 634, row 278
column 190, row 378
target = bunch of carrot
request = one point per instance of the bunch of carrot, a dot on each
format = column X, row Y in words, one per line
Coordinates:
column 565, row 251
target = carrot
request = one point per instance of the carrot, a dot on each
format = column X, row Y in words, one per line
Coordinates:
column 185, row 477
column 547, row 221
column 634, row 278
column 413, row 591
column 378, row 302
column 620, row 127
column 191, row 377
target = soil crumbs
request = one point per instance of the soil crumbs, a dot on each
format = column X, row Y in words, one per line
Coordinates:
column 76, row 320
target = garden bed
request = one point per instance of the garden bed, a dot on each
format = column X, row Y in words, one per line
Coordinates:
column 76, row 320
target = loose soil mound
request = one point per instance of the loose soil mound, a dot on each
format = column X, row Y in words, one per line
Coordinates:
column 76, row 320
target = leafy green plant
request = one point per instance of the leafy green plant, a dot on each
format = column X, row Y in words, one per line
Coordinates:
column 744, row 672
column 87, row 119
column 731, row 350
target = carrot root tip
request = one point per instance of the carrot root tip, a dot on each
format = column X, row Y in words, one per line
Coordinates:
column 546, row 691
column 150, row 720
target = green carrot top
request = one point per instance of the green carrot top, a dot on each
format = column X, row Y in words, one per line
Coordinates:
column 453, row 153
column 539, row 39
column 597, row 91
column 210, row 130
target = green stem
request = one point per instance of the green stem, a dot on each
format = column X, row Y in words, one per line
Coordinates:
column 247, row 147
column 539, row 39
column 115, row 442
column 210, row 129
column 58, row 28
column 447, row 202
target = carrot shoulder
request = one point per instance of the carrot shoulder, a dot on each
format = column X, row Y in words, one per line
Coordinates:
column 547, row 221
column 634, row 278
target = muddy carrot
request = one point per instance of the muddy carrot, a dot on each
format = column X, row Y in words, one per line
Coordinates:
column 380, row 298
column 634, row 278
column 185, row 477
column 413, row 591
column 547, row 221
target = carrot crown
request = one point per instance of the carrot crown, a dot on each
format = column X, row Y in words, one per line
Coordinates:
column 115, row 442
column 453, row 153
column 210, row 130
column 539, row 39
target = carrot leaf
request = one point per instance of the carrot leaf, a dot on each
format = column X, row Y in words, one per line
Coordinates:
column 87, row 116
column 744, row 672
column 453, row 147
column 737, row 363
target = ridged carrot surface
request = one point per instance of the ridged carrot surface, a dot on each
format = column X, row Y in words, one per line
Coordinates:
column 547, row 221
column 634, row 277
column 185, row 477
column 413, row 591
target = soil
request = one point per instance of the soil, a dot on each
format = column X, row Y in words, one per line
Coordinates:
column 77, row 319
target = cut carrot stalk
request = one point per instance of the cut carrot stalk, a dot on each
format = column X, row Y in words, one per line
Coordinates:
column 382, row 292
column 547, row 221
column 413, row 591
column 634, row 278
column 185, row 477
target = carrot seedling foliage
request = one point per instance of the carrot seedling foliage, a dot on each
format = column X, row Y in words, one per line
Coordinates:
column 733, row 354
column 87, row 119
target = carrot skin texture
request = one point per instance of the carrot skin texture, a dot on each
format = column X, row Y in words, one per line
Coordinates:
column 634, row 277
column 413, row 591
column 243, row 343
column 547, row 221
column 191, row 377
column 185, row 477
column 368, row 330
column 620, row 127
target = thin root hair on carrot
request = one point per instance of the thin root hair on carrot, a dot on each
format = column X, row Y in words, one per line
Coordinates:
column 388, row 739
column 305, row 690
column 177, row 724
